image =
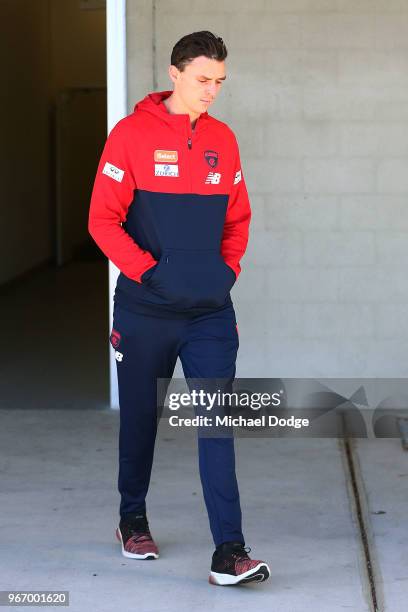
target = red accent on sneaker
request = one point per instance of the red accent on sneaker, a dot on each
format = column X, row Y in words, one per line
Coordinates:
column 244, row 565
column 139, row 544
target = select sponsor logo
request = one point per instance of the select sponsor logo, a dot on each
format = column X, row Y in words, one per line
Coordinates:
column 166, row 157
column 113, row 172
column 166, row 170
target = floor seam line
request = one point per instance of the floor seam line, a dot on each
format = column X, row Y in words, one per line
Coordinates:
column 360, row 512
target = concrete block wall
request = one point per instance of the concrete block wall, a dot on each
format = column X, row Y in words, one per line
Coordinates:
column 317, row 93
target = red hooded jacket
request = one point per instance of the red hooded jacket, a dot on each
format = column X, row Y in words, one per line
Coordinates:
column 170, row 209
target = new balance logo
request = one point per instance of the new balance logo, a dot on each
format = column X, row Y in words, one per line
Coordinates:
column 213, row 178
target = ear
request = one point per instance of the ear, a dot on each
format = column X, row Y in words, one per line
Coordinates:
column 174, row 73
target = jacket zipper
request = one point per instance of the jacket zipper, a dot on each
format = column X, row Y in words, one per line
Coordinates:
column 190, row 146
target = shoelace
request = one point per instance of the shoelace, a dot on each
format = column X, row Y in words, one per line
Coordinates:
column 140, row 534
column 140, row 537
column 241, row 552
column 243, row 562
column 139, row 529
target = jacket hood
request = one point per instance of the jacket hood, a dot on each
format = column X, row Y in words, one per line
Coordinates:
column 153, row 104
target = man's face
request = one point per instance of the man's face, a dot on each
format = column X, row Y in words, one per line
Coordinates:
column 199, row 83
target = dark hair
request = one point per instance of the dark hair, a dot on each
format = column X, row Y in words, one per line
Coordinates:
column 196, row 44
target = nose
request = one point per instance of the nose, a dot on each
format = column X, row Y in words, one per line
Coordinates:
column 212, row 90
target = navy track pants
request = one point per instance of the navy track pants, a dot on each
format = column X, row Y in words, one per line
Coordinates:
column 148, row 348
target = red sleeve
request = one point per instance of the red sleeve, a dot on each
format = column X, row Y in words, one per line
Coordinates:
column 113, row 192
column 237, row 219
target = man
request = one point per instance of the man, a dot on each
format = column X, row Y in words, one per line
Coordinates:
column 170, row 208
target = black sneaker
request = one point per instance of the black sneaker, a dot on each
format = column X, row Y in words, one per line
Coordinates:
column 134, row 535
column 232, row 565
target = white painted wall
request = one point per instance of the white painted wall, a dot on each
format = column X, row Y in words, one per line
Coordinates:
column 317, row 95
column 117, row 100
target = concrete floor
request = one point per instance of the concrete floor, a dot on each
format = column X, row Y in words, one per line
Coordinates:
column 59, row 502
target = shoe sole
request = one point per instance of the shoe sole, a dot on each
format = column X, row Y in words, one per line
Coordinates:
column 260, row 573
column 130, row 555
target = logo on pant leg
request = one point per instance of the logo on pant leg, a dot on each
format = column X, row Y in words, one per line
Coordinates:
column 118, row 356
column 115, row 338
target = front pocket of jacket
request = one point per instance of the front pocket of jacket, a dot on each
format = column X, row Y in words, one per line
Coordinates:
column 188, row 278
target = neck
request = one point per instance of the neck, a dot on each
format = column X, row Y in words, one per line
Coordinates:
column 175, row 106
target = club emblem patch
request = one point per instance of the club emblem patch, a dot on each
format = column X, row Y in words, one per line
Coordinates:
column 211, row 157
column 115, row 338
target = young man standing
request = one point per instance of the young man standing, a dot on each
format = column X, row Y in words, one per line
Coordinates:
column 170, row 209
